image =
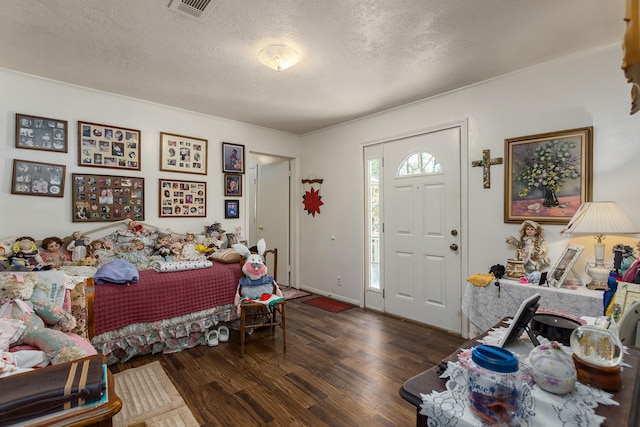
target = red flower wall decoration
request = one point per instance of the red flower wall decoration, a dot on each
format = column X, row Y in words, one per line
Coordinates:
column 312, row 201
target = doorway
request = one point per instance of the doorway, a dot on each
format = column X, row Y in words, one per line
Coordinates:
column 413, row 196
column 269, row 195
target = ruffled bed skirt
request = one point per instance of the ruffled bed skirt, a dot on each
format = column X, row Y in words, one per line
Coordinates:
column 165, row 336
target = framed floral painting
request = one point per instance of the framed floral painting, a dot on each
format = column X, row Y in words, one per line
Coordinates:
column 548, row 176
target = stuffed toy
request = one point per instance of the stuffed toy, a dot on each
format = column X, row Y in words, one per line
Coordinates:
column 256, row 286
column 135, row 227
column 26, row 255
column 16, row 290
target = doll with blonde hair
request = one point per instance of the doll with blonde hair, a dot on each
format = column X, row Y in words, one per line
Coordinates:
column 531, row 247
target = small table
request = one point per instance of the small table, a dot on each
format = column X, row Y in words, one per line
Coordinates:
column 627, row 414
column 485, row 306
column 98, row 415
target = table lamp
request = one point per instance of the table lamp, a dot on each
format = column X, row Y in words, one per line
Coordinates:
column 599, row 219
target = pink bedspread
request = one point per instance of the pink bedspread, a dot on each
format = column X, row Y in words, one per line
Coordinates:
column 160, row 296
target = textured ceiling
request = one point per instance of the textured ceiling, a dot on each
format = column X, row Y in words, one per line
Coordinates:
column 358, row 57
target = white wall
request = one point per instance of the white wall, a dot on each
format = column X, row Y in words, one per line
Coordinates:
column 585, row 90
column 45, row 216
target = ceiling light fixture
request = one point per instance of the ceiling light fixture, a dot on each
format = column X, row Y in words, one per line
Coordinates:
column 278, row 57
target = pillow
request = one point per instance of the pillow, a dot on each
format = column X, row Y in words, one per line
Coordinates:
column 50, row 287
column 169, row 266
column 78, row 297
column 227, row 256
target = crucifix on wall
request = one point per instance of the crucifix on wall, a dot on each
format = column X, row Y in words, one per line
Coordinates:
column 486, row 164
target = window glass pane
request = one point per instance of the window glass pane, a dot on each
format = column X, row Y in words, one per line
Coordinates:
column 373, row 196
column 421, row 163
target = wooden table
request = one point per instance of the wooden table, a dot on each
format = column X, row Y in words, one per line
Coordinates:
column 627, row 414
column 99, row 415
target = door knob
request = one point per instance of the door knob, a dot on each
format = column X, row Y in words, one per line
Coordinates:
column 454, row 232
column 453, row 247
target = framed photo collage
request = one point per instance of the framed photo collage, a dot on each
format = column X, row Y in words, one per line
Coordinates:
column 106, row 197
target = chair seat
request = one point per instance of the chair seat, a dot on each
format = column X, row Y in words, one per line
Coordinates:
column 255, row 315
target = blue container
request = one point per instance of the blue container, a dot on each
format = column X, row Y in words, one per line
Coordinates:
column 495, row 385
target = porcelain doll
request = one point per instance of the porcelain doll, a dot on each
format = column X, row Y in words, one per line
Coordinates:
column 53, row 253
column 4, row 260
column 163, row 246
column 78, row 246
column 531, row 248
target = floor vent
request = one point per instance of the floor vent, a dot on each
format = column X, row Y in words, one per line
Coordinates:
column 198, row 9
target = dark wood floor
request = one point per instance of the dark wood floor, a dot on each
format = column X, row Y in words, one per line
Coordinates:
column 342, row 369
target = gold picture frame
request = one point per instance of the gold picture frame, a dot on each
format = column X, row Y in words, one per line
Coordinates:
column 186, row 154
column 182, row 199
column 548, row 175
column 105, row 146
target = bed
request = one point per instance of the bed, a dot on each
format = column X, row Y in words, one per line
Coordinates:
column 166, row 311
column 162, row 313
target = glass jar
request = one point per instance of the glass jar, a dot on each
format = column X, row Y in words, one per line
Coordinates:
column 495, row 385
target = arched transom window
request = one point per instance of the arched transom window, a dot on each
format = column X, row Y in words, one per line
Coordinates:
column 420, row 163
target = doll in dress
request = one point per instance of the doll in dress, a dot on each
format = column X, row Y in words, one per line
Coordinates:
column 26, row 255
column 53, row 253
column 531, row 247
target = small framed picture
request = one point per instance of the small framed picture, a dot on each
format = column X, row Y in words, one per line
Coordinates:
column 231, row 209
column 232, row 158
column 182, row 198
column 627, row 294
column 37, row 179
column 106, row 198
column 184, row 154
column 563, row 266
column 232, row 184
column 105, row 146
column 41, row 133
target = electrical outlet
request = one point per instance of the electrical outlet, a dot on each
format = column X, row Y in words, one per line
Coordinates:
column 339, row 280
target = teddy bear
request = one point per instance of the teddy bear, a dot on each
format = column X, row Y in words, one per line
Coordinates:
column 16, row 291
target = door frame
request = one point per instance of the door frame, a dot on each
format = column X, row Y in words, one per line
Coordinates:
column 294, row 214
column 464, row 203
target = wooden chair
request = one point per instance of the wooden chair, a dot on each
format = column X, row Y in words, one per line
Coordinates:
column 255, row 315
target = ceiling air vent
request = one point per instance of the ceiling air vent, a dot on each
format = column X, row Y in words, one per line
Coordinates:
column 199, row 9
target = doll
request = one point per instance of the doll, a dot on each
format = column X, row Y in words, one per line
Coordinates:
column 531, row 247
column 78, row 246
column 163, row 246
column 25, row 254
column 53, row 253
column 176, row 250
column 4, row 260
column 101, row 251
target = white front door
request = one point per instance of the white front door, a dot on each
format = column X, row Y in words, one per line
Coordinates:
column 422, row 263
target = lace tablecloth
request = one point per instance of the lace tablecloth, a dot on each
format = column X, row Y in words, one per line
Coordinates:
column 485, row 306
column 451, row 408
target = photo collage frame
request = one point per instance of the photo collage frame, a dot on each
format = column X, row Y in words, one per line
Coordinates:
column 184, row 154
column 37, row 179
column 182, row 198
column 41, row 133
column 105, row 198
column 104, row 146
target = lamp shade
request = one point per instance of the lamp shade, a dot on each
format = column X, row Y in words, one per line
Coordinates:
column 278, row 57
column 599, row 218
